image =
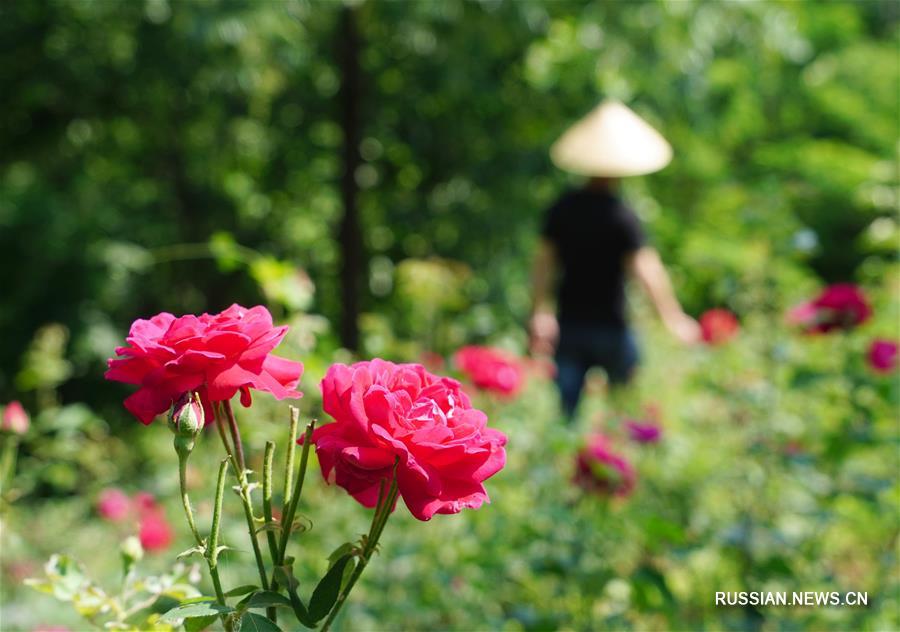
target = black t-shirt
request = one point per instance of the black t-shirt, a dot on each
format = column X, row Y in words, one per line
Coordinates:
column 593, row 232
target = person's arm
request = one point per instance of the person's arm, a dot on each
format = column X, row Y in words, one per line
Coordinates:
column 544, row 327
column 649, row 270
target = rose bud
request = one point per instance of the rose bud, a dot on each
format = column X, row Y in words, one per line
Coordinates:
column 132, row 551
column 15, row 419
column 186, row 421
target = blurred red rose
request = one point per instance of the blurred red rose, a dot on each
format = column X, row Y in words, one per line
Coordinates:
column 385, row 412
column 600, row 470
column 154, row 531
column 718, row 326
column 215, row 355
column 490, row 369
column 840, row 306
column 113, row 504
column 15, row 419
column 883, row 355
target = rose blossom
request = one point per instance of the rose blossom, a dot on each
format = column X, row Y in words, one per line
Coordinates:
column 216, row 355
column 600, row 470
column 883, row 355
column 113, row 504
column 718, row 326
column 15, row 419
column 490, row 369
column 154, row 531
column 643, row 431
column 839, row 306
column 386, row 412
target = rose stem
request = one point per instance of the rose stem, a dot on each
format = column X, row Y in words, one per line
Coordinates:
column 185, row 499
column 267, row 512
column 244, row 493
column 211, row 554
column 287, row 519
column 379, row 520
column 291, row 509
column 291, row 449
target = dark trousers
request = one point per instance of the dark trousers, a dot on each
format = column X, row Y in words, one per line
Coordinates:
column 583, row 346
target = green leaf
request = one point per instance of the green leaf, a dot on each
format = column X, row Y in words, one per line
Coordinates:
column 347, row 548
column 327, row 590
column 241, row 590
column 194, row 550
column 196, row 624
column 267, row 599
column 194, row 610
column 257, row 623
column 348, row 572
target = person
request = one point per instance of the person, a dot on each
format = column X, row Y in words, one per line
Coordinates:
column 591, row 240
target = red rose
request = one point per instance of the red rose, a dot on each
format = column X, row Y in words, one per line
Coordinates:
column 215, row 355
column 840, row 306
column 385, row 412
column 718, row 326
column 600, row 470
column 490, row 369
column 883, row 355
column 154, row 531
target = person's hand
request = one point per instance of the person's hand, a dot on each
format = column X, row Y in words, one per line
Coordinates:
column 684, row 328
column 544, row 330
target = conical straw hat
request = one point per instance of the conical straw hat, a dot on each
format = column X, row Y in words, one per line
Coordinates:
column 611, row 141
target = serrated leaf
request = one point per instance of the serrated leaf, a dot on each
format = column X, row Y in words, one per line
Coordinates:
column 326, row 591
column 253, row 622
column 241, row 590
column 267, row 599
column 193, row 610
column 196, row 624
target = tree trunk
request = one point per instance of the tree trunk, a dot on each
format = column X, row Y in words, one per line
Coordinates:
column 350, row 236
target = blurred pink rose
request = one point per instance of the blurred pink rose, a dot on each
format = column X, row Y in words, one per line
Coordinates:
column 643, row 431
column 839, row 306
column 15, row 419
column 154, row 531
column 385, row 412
column 600, row 470
column 491, row 369
column 216, row 355
column 113, row 504
column 883, row 355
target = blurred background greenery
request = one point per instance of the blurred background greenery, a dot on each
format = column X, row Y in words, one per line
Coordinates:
column 181, row 156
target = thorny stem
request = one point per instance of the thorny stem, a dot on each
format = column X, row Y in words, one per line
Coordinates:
column 244, row 488
column 291, row 509
column 211, row 554
column 267, row 512
column 379, row 520
column 291, row 449
column 287, row 518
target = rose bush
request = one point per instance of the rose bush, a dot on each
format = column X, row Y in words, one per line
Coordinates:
column 386, row 413
column 215, row 355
